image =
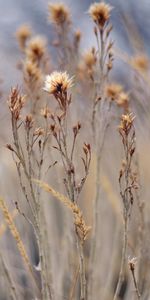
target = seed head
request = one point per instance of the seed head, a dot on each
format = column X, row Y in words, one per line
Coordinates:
column 16, row 102
column 38, row 131
column 36, row 49
column 59, row 14
column 32, row 74
column 45, row 112
column 140, row 63
column 123, row 100
column 113, row 90
column 100, row 13
column 132, row 262
column 126, row 123
column 77, row 39
column 90, row 58
column 77, row 36
column 58, row 83
column 29, row 121
column 22, row 34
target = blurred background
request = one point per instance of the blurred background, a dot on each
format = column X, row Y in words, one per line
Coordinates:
column 13, row 13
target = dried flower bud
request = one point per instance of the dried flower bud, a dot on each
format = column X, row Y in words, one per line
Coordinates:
column 76, row 128
column 109, row 65
column 22, row 34
column 126, row 123
column 113, row 90
column 88, row 146
column 16, row 102
column 58, row 82
column 81, row 228
column 132, row 262
column 140, row 63
column 36, row 49
column 85, row 150
column 45, row 112
column 123, row 101
column 29, row 121
column 100, row 13
column 54, row 129
column 38, row 131
column 77, row 38
column 90, row 58
column 71, row 170
column 9, row 146
column 32, row 74
column 59, row 14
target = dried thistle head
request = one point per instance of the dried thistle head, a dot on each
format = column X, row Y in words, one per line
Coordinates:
column 113, row 90
column 140, row 62
column 29, row 121
column 76, row 128
column 100, row 13
column 126, row 123
column 16, row 102
column 36, row 49
column 32, row 74
column 123, row 101
column 45, row 112
column 77, row 39
column 77, row 36
column 39, row 131
column 22, row 35
column 90, row 58
column 59, row 14
column 132, row 262
column 86, row 65
column 54, row 129
column 58, row 82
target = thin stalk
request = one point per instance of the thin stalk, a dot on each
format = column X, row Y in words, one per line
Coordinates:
column 14, row 295
column 74, row 283
column 100, row 137
column 122, row 267
column 135, row 285
column 82, row 269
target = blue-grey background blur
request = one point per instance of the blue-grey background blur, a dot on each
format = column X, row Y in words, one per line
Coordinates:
column 13, row 13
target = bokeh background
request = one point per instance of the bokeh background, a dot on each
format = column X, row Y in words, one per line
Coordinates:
column 13, row 13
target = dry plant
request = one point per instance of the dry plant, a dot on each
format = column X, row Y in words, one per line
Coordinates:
column 58, row 84
column 100, row 13
column 25, row 160
column 30, row 166
column 132, row 263
column 64, row 121
column 127, row 183
column 67, row 40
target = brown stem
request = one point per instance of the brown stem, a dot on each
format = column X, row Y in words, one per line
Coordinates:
column 135, row 285
column 82, row 269
column 122, row 267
